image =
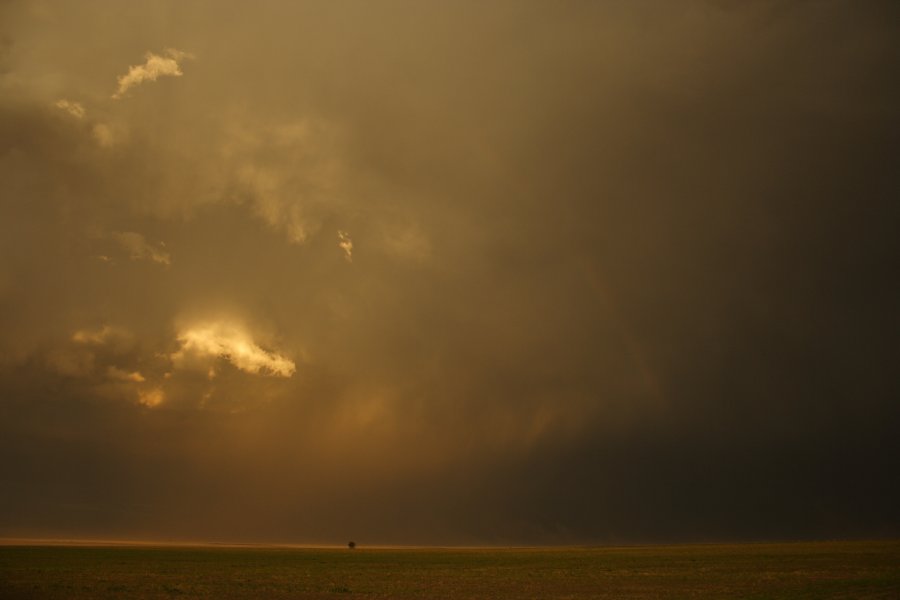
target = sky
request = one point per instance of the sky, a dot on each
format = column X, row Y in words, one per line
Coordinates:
column 449, row 273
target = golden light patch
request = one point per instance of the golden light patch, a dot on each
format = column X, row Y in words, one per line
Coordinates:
column 346, row 244
column 122, row 375
column 232, row 342
column 151, row 398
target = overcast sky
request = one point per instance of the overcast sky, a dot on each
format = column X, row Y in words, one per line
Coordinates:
column 456, row 272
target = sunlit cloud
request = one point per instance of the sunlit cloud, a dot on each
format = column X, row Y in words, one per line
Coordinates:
column 122, row 375
column 346, row 244
column 73, row 108
column 155, row 66
column 233, row 343
column 151, row 398
column 139, row 248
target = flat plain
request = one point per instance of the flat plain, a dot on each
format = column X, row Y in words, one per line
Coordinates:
column 856, row 570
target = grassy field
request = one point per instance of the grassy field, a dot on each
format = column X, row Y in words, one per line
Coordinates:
column 803, row 570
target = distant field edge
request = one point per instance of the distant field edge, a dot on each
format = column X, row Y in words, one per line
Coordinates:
column 100, row 542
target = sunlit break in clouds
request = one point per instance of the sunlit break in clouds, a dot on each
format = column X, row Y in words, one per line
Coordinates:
column 233, row 344
column 155, row 66
column 405, row 272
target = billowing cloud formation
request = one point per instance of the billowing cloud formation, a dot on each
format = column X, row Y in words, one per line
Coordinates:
column 621, row 271
column 229, row 341
column 155, row 66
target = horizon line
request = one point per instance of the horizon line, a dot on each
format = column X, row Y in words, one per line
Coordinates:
column 156, row 543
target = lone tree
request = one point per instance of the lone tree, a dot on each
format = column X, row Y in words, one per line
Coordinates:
column 351, row 545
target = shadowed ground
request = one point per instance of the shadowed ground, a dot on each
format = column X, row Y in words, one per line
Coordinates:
column 798, row 570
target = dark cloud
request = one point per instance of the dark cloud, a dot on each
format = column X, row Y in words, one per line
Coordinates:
column 620, row 272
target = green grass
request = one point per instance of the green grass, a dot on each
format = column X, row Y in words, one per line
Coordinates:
column 855, row 570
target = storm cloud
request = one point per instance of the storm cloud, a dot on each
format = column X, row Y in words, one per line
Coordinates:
column 517, row 272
